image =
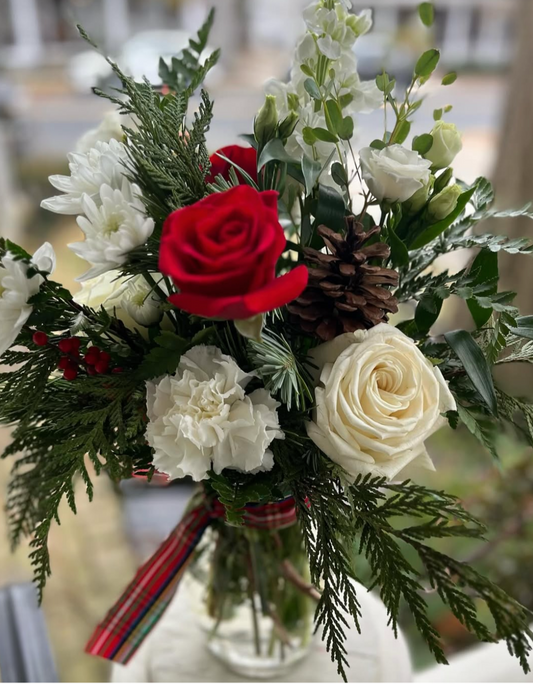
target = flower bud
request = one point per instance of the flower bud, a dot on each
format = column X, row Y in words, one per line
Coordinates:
column 443, row 204
column 287, row 126
column 443, row 180
column 419, row 200
column 266, row 121
column 251, row 328
column 447, row 144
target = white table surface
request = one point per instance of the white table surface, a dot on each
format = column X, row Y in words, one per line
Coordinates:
column 175, row 651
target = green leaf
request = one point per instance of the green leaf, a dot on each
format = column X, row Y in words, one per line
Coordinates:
column 475, row 365
column 346, row 128
column 338, row 173
column 334, row 116
column 312, row 88
column 331, row 210
column 428, row 312
column 524, row 327
column 449, row 78
column 437, row 114
column 324, row 135
column 399, row 251
column 426, row 12
column 423, row 143
column 433, row 232
column 427, row 64
column 385, row 83
column 311, row 171
column 307, row 70
column 378, row 144
column 274, row 151
column 402, row 132
column 485, row 265
column 309, row 136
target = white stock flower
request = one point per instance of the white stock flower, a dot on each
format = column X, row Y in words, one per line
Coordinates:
column 361, row 23
column 101, row 165
column 16, row 289
column 131, row 300
column 394, row 173
column 447, row 143
column 378, row 400
column 109, row 129
column 113, row 226
column 202, row 419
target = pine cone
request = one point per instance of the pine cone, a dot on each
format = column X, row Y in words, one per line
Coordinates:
column 345, row 291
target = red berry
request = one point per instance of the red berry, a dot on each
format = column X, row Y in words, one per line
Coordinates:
column 91, row 370
column 40, row 339
column 117, row 370
column 102, row 367
column 64, row 363
column 70, row 373
column 93, row 350
column 104, row 357
column 91, row 359
column 75, row 344
column 65, row 346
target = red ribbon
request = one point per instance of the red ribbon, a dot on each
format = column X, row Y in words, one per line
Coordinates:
column 146, row 598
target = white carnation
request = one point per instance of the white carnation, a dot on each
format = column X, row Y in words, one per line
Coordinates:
column 113, row 226
column 377, row 402
column 89, row 171
column 16, row 289
column 202, row 419
column 394, row 173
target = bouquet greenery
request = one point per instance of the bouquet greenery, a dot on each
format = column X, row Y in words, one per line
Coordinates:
column 235, row 326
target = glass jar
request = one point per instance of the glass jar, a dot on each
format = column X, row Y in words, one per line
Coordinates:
column 250, row 589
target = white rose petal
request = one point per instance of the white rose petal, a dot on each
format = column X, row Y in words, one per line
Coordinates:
column 378, row 400
column 16, row 289
column 201, row 418
column 113, row 227
column 394, row 173
column 101, row 165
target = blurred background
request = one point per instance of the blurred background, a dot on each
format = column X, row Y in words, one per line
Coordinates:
column 46, row 104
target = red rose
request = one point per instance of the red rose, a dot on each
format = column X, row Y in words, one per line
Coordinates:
column 245, row 157
column 222, row 252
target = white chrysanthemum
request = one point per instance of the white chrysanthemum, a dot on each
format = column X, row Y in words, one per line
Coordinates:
column 201, row 419
column 16, row 289
column 131, row 300
column 109, row 129
column 113, row 227
column 89, row 171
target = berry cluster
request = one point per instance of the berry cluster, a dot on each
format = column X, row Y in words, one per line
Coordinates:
column 94, row 362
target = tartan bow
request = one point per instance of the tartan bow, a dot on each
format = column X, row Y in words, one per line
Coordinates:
column 148, row 595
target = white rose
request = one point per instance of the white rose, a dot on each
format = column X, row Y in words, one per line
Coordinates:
column 378, row 400
column 394, row 173
column 131, row 300
column 202, row 419
column 16, row 289
column 447, row 143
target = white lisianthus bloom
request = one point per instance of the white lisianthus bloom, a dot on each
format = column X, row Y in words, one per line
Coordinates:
column 202, row 419
column 113, row 227
column 131, row 300
column 109, row 129
column 89, row 171
column 377, row 402
column 394, row 173
column 16, row 289
column 447, row 143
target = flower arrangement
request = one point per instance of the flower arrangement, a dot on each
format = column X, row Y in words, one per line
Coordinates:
column 238, row 324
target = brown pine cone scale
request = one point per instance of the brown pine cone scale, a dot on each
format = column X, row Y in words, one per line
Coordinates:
column 345, row 292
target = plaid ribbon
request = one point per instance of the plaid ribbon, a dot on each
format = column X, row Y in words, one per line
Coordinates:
column 146, row 598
